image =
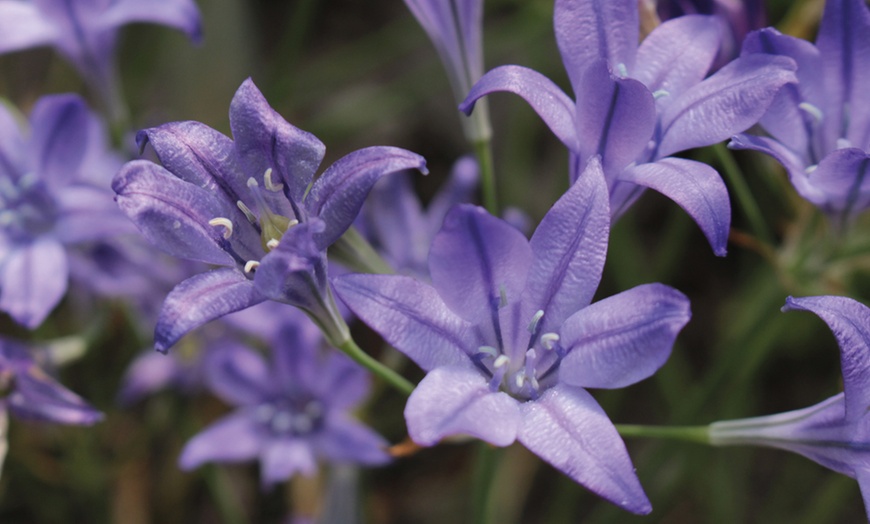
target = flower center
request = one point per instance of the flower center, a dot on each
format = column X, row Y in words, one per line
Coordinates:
column 288, row 418
column 26, row 208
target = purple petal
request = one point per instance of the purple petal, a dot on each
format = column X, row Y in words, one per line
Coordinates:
column 148, row 373
column 264, row 140
column 696, row 187
column 58, row 137
column 236, row 374
column 545, row 97
column 588, row 30
column 23, row 26
column 616, row 118
column 336, row 197
column 410, row 316
column 794, row 165
column 862, row 475
column 341, row 380
column 568, row 429
column 842, row 177
column 200, row 299
column 346, row 440
column 180, row 14
column 284, row 457
column 234, row 438
column 460, row 188
column 622, row 339
column 849, row 320
column 569, row 249
column 725, row 104
column 295, row 271
column 395, row 221
column 476, row 261
column 678, row 54
column 88, row 213
column 171, row 213
column 457, row 401
column 33, row 279
column 36, row 396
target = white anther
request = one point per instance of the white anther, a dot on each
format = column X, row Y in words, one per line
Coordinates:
column 252, row 183
column 489, row 350
column 621, row 70
column 251, row 265
column 302, row 424
column 502, row 360
column 292, row 223
column 267, row 181
column 226, row 223
column 811, row 168
column 548, row 339
column 520, row 379
column 533, row 325
column 502, row 296
column 812, row 110
column 661, row 93
column 247, row 211
column 531, row 354
column 272, row 244
column 282, row 422
column 843, row 143
column 264, row 412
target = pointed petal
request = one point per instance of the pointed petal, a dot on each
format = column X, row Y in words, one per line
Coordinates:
column 23, row 26
column 545, row 97
column 284, row 457
column 849, row 320
column 36, row 396
column 410, row 316
column 476, row 261
column 341, row 380
column 395, row 222
column 569, row 249
column 457, row 401
column 696, row 187
column 171, row 213
column 622, row 339
column 726, row 103
column 295, row 271
column 862, row 474
column 346, row 440
column 200, row 299
column 264, row 140
column 588, row 30
column 336, row 197
column 616, row 118
column 59, row 137
column 180, row 14
column 236, row 374
column 148, row 373
column 33, row 279
column 843, row 178
column 234, row 438
column 88, row 213
column 568, row 429
column 459, row 188
column 794, row 164
column 678, row 54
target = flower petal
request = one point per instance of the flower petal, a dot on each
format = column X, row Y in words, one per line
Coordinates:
column 545, row 97
column 459, row 188
column 88, row 213
column 794, row 164
column 36, row 396
column 346, row 440
column 395, row 223
column 282, row 458
column 622, row 339
column 200, row 299
column 33, row 279
column 180, row 14
column 843, row 178
column 410, row 316
column 337, row 196
column 59, row 137
column 295, row 271
column 567, row 428
column 457, row 401
column 23, row 26
column 236, row 374
column 696, row 187
column 234, row 438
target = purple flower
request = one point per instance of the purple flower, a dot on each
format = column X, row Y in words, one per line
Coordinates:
column 33, row 395
column 510, row 340
column 53, row 194
column 834, row 433
column 638, row 105
column 86, row 31
column 290, row 412
column 245, row 204
column 819, row 130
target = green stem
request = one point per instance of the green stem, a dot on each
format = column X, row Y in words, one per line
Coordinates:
column 698, row 434
column 487, row 460
column 741, row 190
column 398, row 382
column 483, row 150
column 354, row 251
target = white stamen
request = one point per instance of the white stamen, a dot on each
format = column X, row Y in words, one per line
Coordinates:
column 621, row 70
column 282, row 422
column 302, row 424
column 843, row 143
column 252, row 183
column 520, row 379
column 811, row 168
column 502, row 360
column 502, row 296
column 264, row 412
column 267, row 181
column 226, row 223
column 661, row 93
column 812, row 110
column 247, row 211
column 272, row 244
column 251, row 265
column 292, row 223
column 533, row 325
column 548, row 339
column 489, row 350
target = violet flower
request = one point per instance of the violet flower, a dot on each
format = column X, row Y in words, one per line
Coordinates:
column 85, row 32
column 290, row 412
column 637, row 106
column 834, row 433
column 819, row 130
column 53, row 194
column 510, row 341
column 245, row 204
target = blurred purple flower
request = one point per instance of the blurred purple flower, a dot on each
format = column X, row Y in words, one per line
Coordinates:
column 51, row 196
column 637, row 106
column 85, row 32
column 510, row 341
column 290, row 412
column 834, row 433
column 819, row 130
column 244, row 203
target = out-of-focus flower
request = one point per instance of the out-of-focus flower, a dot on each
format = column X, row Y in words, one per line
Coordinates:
column 819, row 129
column 51, row 196
column 637, row 106
column 836, row 432
column 510, row 340
column 245, row 204
column 290, row 412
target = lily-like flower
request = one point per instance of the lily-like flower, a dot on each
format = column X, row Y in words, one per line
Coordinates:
column 836, row 432
column 290, row 412
column 510, row 341
column 245, row 204
column 53, row 194
column 637, row 106
column 85, row 32
column 819, row 130
column 456, row 29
